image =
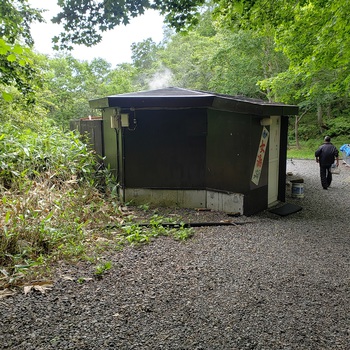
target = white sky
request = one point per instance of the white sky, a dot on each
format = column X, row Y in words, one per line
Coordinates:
column 115, row 46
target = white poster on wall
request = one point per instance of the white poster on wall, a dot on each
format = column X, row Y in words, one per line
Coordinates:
column 259, row 161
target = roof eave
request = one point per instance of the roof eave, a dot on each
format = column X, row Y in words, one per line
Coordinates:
column 152, row 102
column 252, row 107
column 99, row 103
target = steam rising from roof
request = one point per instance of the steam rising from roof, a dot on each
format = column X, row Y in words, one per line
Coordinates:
column 161, row 79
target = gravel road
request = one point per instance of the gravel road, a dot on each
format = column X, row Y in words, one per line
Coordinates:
column 271, row 283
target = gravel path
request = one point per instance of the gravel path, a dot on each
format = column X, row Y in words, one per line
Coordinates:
column 272, row 283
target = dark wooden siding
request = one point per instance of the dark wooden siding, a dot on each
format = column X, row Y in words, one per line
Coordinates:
column 232, row 145
column 166, row 150
column 228, row 151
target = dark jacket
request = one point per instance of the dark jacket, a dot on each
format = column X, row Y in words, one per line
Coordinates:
column 326, row 154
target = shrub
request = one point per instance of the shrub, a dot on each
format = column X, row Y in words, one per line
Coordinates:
column 50, row 198
column 338, row 126
column 58, row 204
column 26, row 154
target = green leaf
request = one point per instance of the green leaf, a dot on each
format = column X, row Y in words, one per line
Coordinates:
column 18, row 49
column 48, row 216
column 7, row 217
column 22, row 62
column 4, row 48
column 7, row 97
column 11, row 58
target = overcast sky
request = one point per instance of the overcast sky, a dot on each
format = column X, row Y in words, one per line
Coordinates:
column 115, row 47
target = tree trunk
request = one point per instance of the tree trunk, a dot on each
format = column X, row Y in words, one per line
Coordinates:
column 296, row 125
column 320, row 117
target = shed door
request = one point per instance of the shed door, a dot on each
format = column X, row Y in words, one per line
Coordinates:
column 274, row 153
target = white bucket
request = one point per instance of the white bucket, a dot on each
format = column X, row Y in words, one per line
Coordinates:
column 297, row 190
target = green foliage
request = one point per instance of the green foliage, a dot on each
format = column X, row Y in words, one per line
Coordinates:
column 241, row 60
column 134, row 233
column 17, row 71
column 50, row 197
column 25, row 153
column 15, row 20
column 316, row 51
column 146, row 60
column 211, row 58
column 16, row 66
column 187, row 58
column 21, row 114
column 57, row 205
column 339, row 126
column 304, row 152
column 66, row 95
column 102, row 268
column 144, row 54
column 144, row 207
column 85, row 20
column 314, row 37
column 307, row 148
column 71, row 83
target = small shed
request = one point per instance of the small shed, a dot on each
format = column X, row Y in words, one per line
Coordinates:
column 195, row 149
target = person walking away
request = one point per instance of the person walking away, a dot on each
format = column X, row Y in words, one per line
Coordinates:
column 325, row 155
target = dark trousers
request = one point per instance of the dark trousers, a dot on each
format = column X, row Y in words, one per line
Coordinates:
column 326, row 175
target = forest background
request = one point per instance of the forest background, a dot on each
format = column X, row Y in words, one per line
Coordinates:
column 295, row 52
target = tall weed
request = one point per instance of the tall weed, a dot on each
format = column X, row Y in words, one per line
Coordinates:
column 56, row 203
column 26, row 154
column 50, row 197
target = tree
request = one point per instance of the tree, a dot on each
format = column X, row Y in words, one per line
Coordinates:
column 242, row 59
column 146, row 60
column 15, row 19
column 85, row 20
column 187, row 57
column 144, row 53
column 71, row 83
column 16, row 64
column 17, row 70
column 213, row 57
column 313, row 35
column 320, row 55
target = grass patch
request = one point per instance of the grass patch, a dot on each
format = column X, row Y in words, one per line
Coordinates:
column 307, row 148
column 300, row 153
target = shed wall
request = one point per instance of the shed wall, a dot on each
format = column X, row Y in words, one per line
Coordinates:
column 166, row 149
column 232, row 145
column 228, row 151
column 109, row 141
